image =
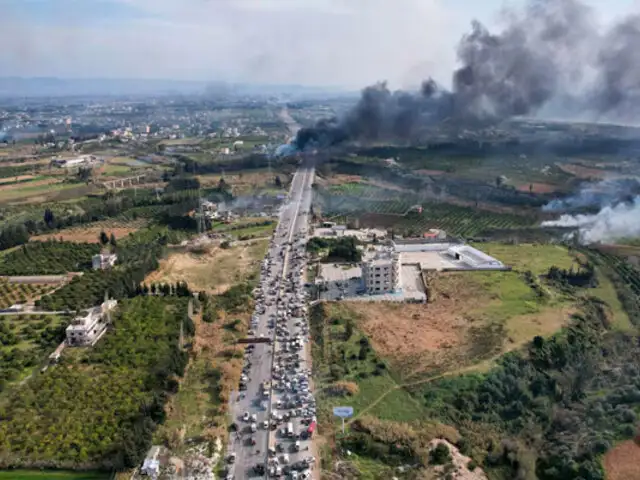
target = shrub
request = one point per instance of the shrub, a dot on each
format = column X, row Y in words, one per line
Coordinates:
column 440, row 455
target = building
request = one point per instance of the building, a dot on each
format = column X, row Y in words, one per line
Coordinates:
column 102, row 261
column 434, row 234
column 83, row 160
column 473, row 258
column 151, row 464
column 86, row 329
column 381, row 274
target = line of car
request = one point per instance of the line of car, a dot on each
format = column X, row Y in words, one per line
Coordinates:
column 284, row 406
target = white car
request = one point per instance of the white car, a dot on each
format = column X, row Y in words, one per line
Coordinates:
column 246, row 416
column 254, row 428
column 265, row 425
column 254, row 417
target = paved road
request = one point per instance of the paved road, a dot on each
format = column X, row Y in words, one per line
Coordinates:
column 255, row 401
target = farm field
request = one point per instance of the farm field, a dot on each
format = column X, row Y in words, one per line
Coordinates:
column 131, row 365
column 246, row 182
column 384, row 208
column 12, row 293
column 51, row 475
column 90, row 233
column 623, row 461
column 47, row 258
column 213, row 270
column 27, row 340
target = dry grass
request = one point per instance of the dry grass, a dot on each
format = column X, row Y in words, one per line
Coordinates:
column 245, row 181
column 623, row 462
column 473, row 317
column 537, row 187
column 581, row 171
column 36, row 183
column 342, row 388
column 91, row 234
column 16, row 178
column 213, row 271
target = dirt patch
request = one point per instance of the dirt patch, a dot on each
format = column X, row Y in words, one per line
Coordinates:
column 623, row 462
column 89, row 235
column 537, row 188
column 430, row 172
column 581, row 171
column 458, row 468
column 416, row 338
column 340, row 179
column 213, row 271
column 16, row 179
column 37, row 183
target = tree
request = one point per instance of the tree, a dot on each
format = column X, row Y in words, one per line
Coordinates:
column 278, row 182
column 440, row 455
column 222, row 185
column 104, row 238
column 48, row 217
column 112, row 240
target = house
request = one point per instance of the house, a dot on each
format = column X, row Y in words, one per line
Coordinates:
column 102, row 261
column 434, row 234
column 88, row 328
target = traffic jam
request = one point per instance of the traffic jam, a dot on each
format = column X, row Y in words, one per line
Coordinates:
column 286, row 398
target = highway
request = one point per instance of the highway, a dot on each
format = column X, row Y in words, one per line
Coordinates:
column 281, row 400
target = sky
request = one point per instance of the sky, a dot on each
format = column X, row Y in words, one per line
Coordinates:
column 345, row 43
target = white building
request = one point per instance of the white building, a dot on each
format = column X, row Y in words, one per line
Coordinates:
column 381, row 274
column 86, row 329
column 102, row 261
column 74, row 162
column 473, row 257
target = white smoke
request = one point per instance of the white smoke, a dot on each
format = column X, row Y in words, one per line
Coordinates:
column 611, row 223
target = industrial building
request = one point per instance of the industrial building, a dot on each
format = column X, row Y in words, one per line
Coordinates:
column 381, row 274
column 86, row 329
column 82, row 160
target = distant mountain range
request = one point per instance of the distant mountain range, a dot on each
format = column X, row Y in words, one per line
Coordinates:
column 62, row 87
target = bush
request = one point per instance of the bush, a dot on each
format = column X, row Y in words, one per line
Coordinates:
column 440, row 455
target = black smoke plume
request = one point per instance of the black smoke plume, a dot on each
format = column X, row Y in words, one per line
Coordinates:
column 550, row 51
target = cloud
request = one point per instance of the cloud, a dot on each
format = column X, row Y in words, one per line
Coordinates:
column 316, row 42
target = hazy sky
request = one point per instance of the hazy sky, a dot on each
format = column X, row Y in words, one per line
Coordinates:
column 315, row 42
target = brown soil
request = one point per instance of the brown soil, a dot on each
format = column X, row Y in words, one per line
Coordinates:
column 581, row 171
column 15, row 179
column 538, row 188
column 37, row 183
column 419, row 337
column 339, row 179
column 214, row 271
column 89, row 235
column 623, row 462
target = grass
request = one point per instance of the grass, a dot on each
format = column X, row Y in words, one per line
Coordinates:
column 51, row 475
column 256, row 231
column 535, row 257
column 607, row 292
column 232, row 265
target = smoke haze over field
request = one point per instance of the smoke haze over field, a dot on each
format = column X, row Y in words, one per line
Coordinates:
column 618, row 217
column 549, row 50
column 608, row 225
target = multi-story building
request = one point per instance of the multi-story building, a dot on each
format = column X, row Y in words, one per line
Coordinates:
column 86, row 329
column 103, row 261
column 381, row 274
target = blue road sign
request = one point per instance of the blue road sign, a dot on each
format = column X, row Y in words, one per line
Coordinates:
column 343, row 412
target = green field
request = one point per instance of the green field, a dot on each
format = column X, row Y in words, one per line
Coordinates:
column 132, row 366
column 26, row 341
column 51, row 475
